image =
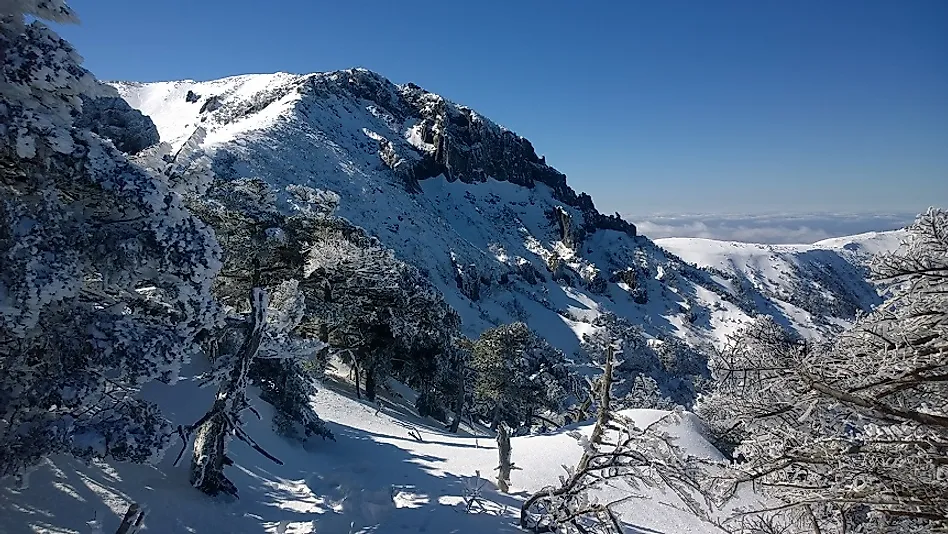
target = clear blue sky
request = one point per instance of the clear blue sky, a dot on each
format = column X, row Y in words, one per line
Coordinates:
column 697, row 106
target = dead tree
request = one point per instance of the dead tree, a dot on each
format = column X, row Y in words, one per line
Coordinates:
column 504, row 451
column 222, row 420
column 616, row 450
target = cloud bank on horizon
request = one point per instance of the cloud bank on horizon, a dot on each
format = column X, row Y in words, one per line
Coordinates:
column 772, row 229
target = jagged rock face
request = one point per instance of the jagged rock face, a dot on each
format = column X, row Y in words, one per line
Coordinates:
column 468, row 280
column 456, row 142
column 209, row 105
column 469, row 148
column 111, row 117
column 564, row 224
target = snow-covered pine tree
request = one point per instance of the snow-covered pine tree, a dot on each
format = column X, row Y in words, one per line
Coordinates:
column 518, row 375
column 379, row 313
column 851, row 436
column 253, row 231
column 456, row 382
column 104, row 273
column 657, row 373
column 262, row 342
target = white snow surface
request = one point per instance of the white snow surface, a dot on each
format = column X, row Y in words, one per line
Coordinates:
column 375, row 478
column 867, row 244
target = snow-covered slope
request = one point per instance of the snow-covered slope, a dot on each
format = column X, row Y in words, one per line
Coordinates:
column 862, row 247
column 375, row 478
column 811, row 286
column 495, row 228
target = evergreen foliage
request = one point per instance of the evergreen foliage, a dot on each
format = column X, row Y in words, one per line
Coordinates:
column 105, row 275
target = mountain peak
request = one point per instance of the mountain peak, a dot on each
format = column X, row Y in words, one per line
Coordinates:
column 424, row 135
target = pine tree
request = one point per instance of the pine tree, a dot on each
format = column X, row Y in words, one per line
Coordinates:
column 518, row 375
column 263, row 340
column 657, row 373
column 104, row 273
column 379, row 313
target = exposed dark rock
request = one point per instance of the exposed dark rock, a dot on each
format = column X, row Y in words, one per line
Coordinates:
column 595, row 283
column 568, row 233
column 192, row 97
column 627, row 276
column 640, row 295
column 464, row 145
column 112, row 118
column 631, row 277
column 529, row 273
column 212, row 103
column 467, row 280
column 559, row 270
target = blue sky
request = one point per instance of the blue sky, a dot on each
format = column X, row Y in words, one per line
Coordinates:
column 676, row 106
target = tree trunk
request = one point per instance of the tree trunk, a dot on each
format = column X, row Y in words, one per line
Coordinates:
column 503, row 449
column 495, row 419
column 813, row 521
column 370, row 383
column 459, row 401
column 455, row 423
column 355, row 370
column 605, row 407
column 210, row 444
column 207, row 462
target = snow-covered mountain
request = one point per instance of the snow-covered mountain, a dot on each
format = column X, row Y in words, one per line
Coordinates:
column 810, row 287
column 494, row 227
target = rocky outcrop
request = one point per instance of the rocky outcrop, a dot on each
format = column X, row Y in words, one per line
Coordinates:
column 468, row 147
column 109, row 116
column 559, row 270
column 630, row 277
column 211, row 104
column 529, row 273
column 456, row 142
column 564, row 225
column 467, row 278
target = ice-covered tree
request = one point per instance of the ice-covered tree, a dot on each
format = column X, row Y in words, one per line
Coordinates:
column 657, row 373
column 104, row 273
column 850, row 436
column 262, row 341
column 378, row 312
column 518, row 376
column 617, row 454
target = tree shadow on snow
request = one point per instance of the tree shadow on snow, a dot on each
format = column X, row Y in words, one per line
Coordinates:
column 356, row 484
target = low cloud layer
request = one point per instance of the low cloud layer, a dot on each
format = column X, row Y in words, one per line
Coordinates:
column 798, row 228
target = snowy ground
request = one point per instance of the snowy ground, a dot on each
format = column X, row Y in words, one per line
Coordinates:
column 375, row 478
